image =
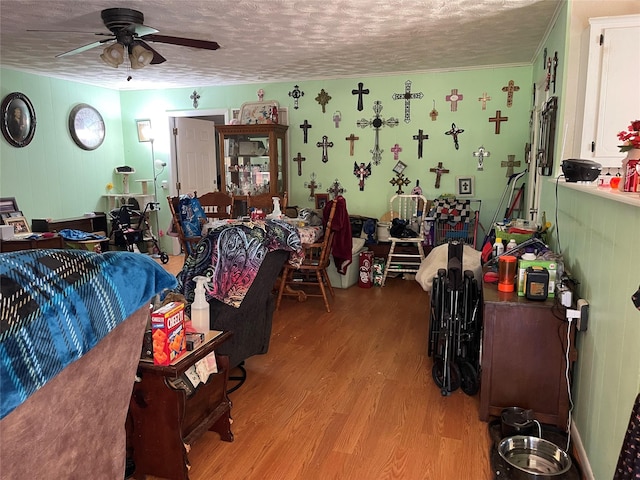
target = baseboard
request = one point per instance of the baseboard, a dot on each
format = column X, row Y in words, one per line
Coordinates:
column 580, row 452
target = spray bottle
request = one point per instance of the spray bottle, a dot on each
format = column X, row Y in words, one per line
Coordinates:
column 200, row 307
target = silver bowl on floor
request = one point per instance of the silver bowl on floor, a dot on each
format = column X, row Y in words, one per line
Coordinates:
column 534, row 458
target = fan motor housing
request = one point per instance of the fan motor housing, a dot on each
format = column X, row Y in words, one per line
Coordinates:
column 117, row 19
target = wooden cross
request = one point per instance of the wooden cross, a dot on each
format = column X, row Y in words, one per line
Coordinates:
column 555, row 70
column 312, row 185
column 324, row 144
column 361, row 171
column 299, row 159
column 407, row 96
column 481, row 154
column 497, row 119
column 510, row 164
column 336, row 189
column 323, row 98
column 396, row 149
column 195, row 96
column 351, row 138
column 434, row 113
column 454, row 98
column 420, row 137
column 360, row 91
column 510, row 88
column 484, row 99
column 438, row 171
column 399, row 181
column 296, row 93
column 454, row 132
column 376, row 123
column 548, row 79
column 305, row 126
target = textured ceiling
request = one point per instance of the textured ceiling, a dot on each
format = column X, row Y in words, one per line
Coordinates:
column 277, row 40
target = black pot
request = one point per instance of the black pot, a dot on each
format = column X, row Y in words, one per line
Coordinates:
column 517, row 421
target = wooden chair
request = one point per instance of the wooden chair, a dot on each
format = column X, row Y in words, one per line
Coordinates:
column 264, row 201
column 315, row 264
column 186, row 243
column 217, row 204
column 410, row 209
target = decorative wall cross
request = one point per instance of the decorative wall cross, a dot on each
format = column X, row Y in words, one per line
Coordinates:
column 361, row 171
column 396, row 149
column 305, row 126
column 497, row 119
column 454, row 132
column 351, row 138
column 481, row 154
column 407, row 96
column 312, row 185
column 439, row 170
column 399, row 181
column 420, row 137
column 336, row 189
column 510, row 88
column 299, row 159
column 260, row 93
column 325, row 144
column 376, row 123
column 296, row 93
column 433, row 113
column 195, row 96
column 454, row 98
column 337, row 116
column 548, row 77
column 555, row 70
column 323, row 98
column 360, row 91
column 510, row 163
column 484, row 99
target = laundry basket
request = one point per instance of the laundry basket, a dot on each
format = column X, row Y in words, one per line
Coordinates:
column 455, row 219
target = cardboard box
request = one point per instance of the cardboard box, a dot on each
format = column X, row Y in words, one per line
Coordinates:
column 168, row 333
column 551, row 267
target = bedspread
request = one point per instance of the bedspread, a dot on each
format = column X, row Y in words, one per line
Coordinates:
column 231, row 255
column 56, row 305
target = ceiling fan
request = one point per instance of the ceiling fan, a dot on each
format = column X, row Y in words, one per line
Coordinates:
column 129, row 32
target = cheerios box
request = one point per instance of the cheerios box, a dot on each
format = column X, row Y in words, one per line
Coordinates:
column 168, row 333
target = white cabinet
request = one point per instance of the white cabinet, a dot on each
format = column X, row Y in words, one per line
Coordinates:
column 612, row 97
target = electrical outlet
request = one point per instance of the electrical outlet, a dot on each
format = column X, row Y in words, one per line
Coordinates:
column 583, row 319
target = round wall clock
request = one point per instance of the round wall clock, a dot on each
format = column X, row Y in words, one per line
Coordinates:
column 86, row 126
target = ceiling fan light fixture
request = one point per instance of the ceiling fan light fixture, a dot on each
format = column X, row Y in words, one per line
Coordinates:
column 140, row 57
column 113, row 55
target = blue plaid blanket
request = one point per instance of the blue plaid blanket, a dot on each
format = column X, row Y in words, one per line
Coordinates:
column 56, row 305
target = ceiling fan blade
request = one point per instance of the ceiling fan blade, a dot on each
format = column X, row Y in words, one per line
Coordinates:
column 184, row 42
column 142, row 30
column 157, row 58
column 85, row 48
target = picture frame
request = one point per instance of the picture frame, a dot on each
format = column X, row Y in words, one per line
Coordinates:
column 321, row 200
column 144, row 130
column 465, row 186
column 8, row 204
column 19, row 224
column 18, row 123
column 399, row 168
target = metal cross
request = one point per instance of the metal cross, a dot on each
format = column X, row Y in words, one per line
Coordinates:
column 324, row 144
column 361, row 171
column 454, row 132
column 336, row 189
column 299, row 159
column 438, row 171
column 497, row 119
column 312, row 185
column 510, row 88
column 296, row 93
column 484, row 99
column 360, row 91
column 510, row 163
column 420, row 137
column 351, row 138
column 555, row 69
column 195, row 96
column 399, row 181
column 396, row 149
column 376, row 123
column 323, row 98
column 454, row 98
column 305, row 126
column 481, row 154
column 407, row 96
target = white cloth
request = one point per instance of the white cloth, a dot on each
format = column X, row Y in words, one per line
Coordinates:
column 439, row 257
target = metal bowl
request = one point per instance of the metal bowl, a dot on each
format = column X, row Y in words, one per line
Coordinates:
column 535, row 457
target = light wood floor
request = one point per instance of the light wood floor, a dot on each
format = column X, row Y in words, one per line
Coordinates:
column 347, row 395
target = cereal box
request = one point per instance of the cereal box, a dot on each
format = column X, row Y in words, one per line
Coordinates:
column 168, row 333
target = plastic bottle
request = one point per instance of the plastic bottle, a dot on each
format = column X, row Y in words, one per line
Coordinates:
column 511, row 245
column 200, row 307
column 498, row 247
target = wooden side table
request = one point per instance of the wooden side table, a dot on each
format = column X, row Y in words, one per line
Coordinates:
column 165, row 418
column 18, row 244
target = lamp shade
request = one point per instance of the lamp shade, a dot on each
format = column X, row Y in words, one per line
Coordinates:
column 113, row 55
column 140, row 57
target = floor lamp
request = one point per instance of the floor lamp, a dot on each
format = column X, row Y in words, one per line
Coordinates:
column 145, row 134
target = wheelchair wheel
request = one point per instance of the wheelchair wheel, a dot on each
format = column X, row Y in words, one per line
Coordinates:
column 437, row 372
column 469, row 381
column 164, row 258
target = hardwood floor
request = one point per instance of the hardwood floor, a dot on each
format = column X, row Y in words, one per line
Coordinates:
column 347, row 395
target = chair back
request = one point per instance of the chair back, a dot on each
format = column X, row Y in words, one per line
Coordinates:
column 217, row 204
column 327, row 241
column 174, row 208
column 264, row 201
column 411, row 209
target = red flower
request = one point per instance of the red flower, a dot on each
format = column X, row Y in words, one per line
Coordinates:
column 631, row 138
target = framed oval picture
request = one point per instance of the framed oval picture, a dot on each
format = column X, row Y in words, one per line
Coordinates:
column 18, row 123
